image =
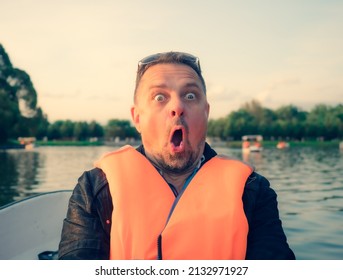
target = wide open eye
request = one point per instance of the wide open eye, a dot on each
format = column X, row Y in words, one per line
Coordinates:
column 190, row 96
column 159, row 97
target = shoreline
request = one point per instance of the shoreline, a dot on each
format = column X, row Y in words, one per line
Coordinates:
column 226, row 144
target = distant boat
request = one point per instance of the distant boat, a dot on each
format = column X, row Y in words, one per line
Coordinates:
column 28, row 143
column 252, row 143
column 29, row 146
column 282, row 145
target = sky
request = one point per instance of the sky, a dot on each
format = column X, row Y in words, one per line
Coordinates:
column 82, row 55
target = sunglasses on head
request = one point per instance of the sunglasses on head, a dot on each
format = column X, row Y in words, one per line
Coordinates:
column 181, row 57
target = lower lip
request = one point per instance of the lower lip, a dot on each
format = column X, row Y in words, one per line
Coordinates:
column 177, row 149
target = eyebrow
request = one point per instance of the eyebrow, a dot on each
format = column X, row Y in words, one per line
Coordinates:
column 157, row 86
column 188, row 85
column 193, row 85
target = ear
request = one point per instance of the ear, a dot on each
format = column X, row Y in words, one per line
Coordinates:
column 208, row 109
column 135, row 117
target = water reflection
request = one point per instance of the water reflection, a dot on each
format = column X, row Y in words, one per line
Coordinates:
column 254, row 158
column 18, row 171
column 308, row 182
column 309, row 185
column 27, row 172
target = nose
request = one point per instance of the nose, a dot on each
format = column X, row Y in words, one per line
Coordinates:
column 176, row 108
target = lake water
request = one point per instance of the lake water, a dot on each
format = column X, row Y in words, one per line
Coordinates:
column 309, row 184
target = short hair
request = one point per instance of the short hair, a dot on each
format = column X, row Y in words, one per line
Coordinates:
column 169, row 58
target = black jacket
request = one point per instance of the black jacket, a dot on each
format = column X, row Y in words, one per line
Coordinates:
column 86, row 229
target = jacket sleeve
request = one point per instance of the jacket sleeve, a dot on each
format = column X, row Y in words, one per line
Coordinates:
column 85, row 232
column 266, row 237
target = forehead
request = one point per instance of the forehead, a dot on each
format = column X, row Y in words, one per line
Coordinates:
column 173, row 73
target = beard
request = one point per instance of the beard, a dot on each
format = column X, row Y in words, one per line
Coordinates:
column 180, row 162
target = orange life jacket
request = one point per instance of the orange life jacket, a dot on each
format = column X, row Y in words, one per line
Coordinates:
column 206, row 222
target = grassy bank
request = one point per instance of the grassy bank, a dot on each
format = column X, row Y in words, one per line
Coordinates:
column 228, row 144
column 68, row 143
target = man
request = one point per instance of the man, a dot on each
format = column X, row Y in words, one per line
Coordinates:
column 173, row 197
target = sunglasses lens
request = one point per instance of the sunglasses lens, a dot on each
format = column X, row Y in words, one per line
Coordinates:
column 149, row 59
column 183, row 57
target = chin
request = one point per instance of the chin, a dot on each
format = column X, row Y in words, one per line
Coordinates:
column 179, row 163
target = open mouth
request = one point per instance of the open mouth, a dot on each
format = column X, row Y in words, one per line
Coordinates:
column 177, row 138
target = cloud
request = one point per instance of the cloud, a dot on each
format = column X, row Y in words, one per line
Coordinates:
column 81, row 96
column 104, row 97
column 219, row 93
column 223, row 100
column 59, row 95
column 276, row 90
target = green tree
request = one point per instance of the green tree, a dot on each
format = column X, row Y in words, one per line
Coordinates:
column 255, row 109
column 42, row 124
column 81, row 131
column 216, row 128
column 54, row 130
column 120, row 128
column 95, row 130
column 290, row 122
column 67, row 129
column 19, row 114
column 240, row 123
column 325, row 122
column 9, row 113
column 266, row 125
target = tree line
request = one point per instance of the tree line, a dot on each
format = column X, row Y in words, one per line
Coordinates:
column 82, row 130
column 19, row 113
column 288, row 122
column 21, row 117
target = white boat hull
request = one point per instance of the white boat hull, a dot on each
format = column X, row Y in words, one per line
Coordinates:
column 32, row 226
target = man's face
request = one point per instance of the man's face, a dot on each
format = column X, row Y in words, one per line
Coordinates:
column 171, row 113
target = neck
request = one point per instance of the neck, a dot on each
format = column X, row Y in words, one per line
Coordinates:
column 177, row 180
